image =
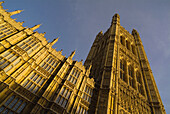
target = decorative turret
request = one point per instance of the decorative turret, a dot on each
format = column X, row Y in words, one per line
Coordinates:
column 54, row 41
column 72, row 54
column 36, row 27
column 116, row 19
column 15, row 12
column 1, row 3
column 135, row 33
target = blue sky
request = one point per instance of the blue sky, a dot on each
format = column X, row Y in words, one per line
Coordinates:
column 77, row 22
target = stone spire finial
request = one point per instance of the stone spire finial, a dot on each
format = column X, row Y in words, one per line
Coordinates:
column 72, row 54
column 21, row 22
column 116, row 18
column 36, row 27
column 43, row 34
column 54, row 41
column 1, row 2
column 135, row 33
column 16, row 12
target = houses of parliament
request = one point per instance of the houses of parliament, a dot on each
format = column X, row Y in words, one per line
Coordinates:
column 115, row 78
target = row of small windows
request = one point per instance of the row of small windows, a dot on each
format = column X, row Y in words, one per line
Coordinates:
column 49, row 64
column 13, row 104
column 5, row 30
column 63, row 97
column 34, row 82
column 74, row 76
column 88, row 92
column 29, row 45
column 129, row 77
column 8, row 57
column 127, row 44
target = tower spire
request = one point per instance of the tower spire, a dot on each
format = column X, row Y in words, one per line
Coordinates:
column 54, row 41
column 72, row 54
column 36, row 27
column 15, row 12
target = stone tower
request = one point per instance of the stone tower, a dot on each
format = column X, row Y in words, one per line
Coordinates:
column 35, row 78
column 124, row 80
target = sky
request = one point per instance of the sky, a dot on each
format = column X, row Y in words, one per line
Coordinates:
column 77, row 22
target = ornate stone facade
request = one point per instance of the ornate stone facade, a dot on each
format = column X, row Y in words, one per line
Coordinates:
column 35, row 78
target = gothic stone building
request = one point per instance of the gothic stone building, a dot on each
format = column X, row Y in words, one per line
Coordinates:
column 35, row 78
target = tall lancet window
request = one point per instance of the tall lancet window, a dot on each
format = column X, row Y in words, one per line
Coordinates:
column 130, row 72
column 122, row 69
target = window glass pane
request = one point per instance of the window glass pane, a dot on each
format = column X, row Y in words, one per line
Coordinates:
column 42, row 81
column 61, row 101
column 78, row 74
column 25, row 83
column 5, row 112
column 48, row 68
column 17, row 105
column 2, row 108
column 29, row 85
column 50, row 61
column 35, row 77
column 13, row 103
column 27, row 48
column 51, row 70
column 32, row 75
column 13, row 58
column 68, row 95
column 58, row 99
column 62, row 91
column 21, row 107
column 65, row 93
column 9, row 100
column 64, row 103
column 9, row 56
column 2, row 61
column 8, row 68
column 4, row 65
column 36, row 89
column 17, row 61
column 21, row 44
column 33, row 44
column 6, row 53
column 32, row 87
column 75, row 80
column 55, row 64
column 43, row 64
column 39, row 78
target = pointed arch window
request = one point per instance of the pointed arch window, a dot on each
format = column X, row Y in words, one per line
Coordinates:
column 122, row 40
column 139, row 82
column 122, row 69
column 130, row 72
column 127, row 44
column 133, row 49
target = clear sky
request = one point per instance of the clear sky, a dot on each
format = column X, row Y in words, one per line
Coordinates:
column 77, row 22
